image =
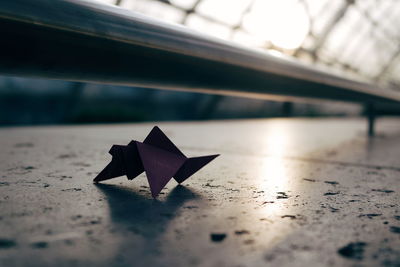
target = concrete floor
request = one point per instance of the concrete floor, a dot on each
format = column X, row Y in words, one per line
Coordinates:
column 284, row 192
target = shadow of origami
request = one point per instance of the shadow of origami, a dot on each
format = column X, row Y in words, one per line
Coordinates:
column 140, row 214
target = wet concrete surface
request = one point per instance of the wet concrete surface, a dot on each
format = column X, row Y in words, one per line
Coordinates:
column 284, row 192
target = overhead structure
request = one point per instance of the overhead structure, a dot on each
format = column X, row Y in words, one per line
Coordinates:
column 87, row 41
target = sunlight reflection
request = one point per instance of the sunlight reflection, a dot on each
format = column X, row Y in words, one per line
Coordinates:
column 275, row 177
column 273, row 168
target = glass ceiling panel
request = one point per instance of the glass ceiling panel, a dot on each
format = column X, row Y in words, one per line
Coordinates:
column 360, row 38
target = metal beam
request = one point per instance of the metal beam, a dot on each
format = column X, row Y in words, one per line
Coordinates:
column 87, row 41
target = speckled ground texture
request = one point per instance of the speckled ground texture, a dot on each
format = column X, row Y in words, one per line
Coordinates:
column 284, row 192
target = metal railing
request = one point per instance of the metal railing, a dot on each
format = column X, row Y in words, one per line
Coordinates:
column 92, row 42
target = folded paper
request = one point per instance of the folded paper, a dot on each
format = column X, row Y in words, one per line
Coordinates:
column 157, row 156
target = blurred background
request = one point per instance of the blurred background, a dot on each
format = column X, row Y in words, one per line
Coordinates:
column 357, row 39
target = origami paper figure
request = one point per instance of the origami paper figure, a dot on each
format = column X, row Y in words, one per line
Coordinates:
column 157, row 156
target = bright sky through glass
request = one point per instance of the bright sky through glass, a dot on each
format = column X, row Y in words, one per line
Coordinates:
column 357, row 38
column 284, row 23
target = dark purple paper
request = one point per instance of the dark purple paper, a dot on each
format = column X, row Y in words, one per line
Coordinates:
column 157, row 156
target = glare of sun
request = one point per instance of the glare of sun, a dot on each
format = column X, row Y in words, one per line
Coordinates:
column 282, row 22
column 273, row 168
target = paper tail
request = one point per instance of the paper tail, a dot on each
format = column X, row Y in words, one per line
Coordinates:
column 114, row 169
column 191, row 166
